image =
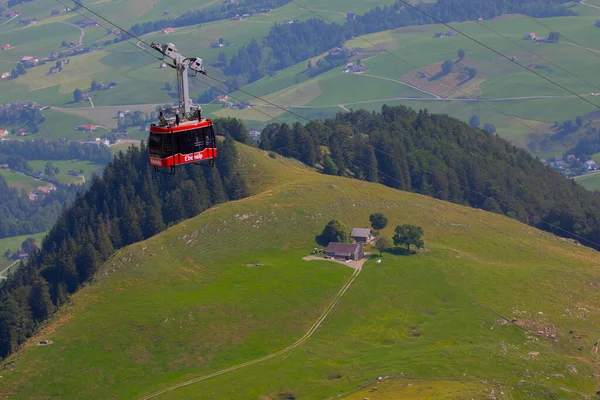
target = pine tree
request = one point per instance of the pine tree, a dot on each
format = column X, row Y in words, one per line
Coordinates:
column 227, row 156
column 153, row 223
column 67, row 272
column 39, row 300
column 173, row 207
column 191, row 200
column 130, row 227
column 87, row 262
column 217, row 192
column 369, row 165
column 11, row 317
column 236, row 187
column 103, row 242
column 284, row 141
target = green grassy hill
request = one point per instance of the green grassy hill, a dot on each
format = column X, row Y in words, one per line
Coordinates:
column 230, row 286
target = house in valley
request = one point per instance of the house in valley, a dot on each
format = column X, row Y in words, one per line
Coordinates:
column 345, row 251
column 361, row 235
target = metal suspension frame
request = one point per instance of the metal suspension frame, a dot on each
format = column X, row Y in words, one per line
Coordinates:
column 186, row 110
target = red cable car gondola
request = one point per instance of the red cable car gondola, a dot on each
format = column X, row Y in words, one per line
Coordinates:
column 184, row 138
column 171, row 145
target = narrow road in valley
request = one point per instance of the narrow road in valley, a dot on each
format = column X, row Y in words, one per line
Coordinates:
column 425, row 99
column 91, row 102
column 291, row 347
column 81, row 29
column 582, row 47
column 6, row 269
column 332, row 12
column 343, row 107
column 589, row 5
column 6, row 22
column 400, row 82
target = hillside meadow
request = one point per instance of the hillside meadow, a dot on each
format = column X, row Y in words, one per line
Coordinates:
column 491, row 304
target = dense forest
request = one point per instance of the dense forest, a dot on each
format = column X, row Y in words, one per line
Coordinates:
column 55, row 150
column 289, row 44
column 588, row 145
column 442, row 157
column 127, row 204
column 224, row 11
column 21, row 216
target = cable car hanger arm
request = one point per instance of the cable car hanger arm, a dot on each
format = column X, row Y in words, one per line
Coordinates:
column 182, row 65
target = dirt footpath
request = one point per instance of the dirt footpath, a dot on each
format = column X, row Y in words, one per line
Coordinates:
column 357, row 265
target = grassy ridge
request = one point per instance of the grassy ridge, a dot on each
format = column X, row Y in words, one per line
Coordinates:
column 21, row 181
column 185, row 303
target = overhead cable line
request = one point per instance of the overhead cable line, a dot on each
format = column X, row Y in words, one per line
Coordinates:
column 405, row 161
column 153, row 54
column 538, row 21
column 368, row 145
column 442, row 80
column 484, row 25
column 497, row 52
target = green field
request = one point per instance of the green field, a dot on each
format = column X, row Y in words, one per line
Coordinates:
column 193, row 300
column 64, row 166
column 12, row 244
column 20, row 181
column 120, row 147
column 589, row 181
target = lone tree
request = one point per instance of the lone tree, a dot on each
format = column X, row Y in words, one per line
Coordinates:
column 77, row 95
column 554, row 37
column 474, row 121
column 489, row 128
column 382, row 244
column 461, row 53
column 378, row 221
column 409, row 235
column 334, row 231
column 447, row 66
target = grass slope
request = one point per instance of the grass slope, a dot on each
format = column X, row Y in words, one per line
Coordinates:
column 88, row 168
column 589, row 181
column 20, row 181
column 185, row 304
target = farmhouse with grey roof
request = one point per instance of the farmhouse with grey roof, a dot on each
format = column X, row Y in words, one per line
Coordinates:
column 345, row 251
column 361, row 235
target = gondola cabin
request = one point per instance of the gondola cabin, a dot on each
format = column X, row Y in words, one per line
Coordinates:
column 189, row 142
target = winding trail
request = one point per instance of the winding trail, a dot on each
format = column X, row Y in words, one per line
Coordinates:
column 291, row 347
column 426, row 99
column 332, row 12
column 6, row 22
column 81, row 29
column 400, row 82
column 582, row 47
column 6, row 269
column 589, row 5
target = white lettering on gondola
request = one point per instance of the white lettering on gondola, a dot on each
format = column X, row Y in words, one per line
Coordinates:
column 193, row 157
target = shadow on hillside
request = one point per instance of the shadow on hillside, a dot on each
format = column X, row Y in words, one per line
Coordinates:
column 321, row 241
column 400, row 251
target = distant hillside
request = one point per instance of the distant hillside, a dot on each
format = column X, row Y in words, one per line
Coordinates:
column 230, row 286
column 442, row 157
